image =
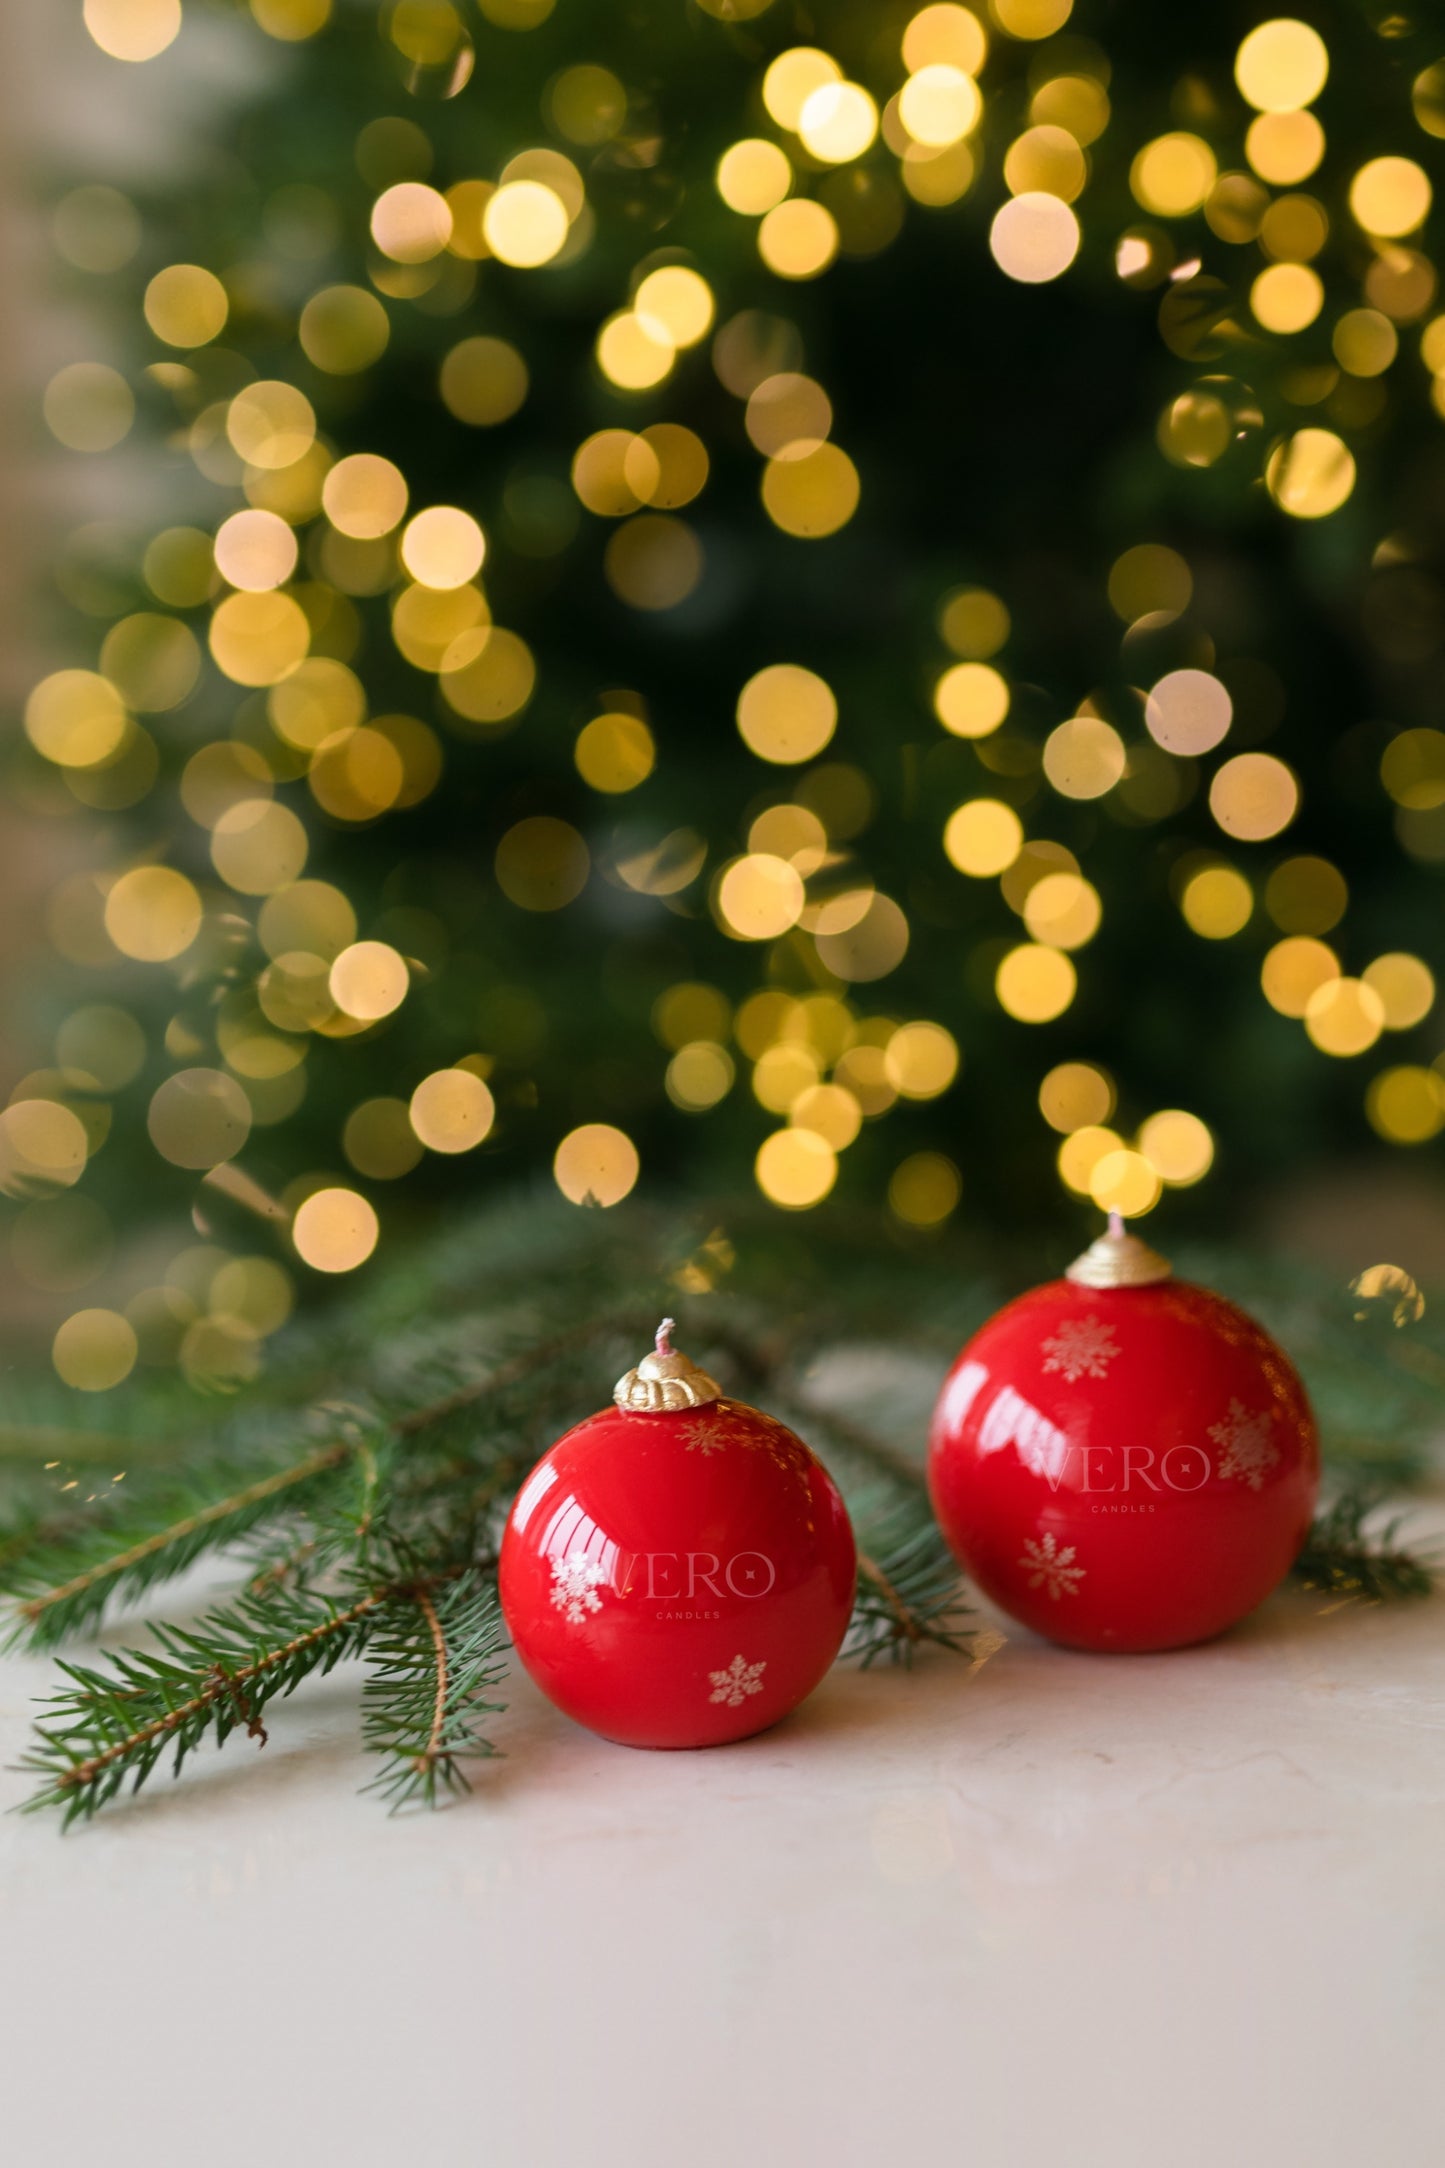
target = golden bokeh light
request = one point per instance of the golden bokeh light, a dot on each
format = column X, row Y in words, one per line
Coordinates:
column 791, row 80
column 1034, row 984
column 1084, row 757
column 443, row 547
column 186, row 305
column 759, row 897
column 199, row 1118
column 653, row 562
column 1178, row 1146
column 344, row 329
column 798, row 239
column 1406, row 1105
column 1124, row 1181
column 410, row 222
column 259, row 639
column 542, row 864
column 1217, row 902
column 364, row 496
column 271, row 424
column 255, row 551
column 868, row 944
column 924, row 1189
column 837, row 122
column 795, row 1169
column 1281, row 66
column 921, row 1060
column 1081, row 1152
column 596, row 1165
column 1188, row 712
column 1311, row 473
column 788, row 416
column 1294, row 971
column 525, row 224
column 753, row 176
column 1287, row 296
column 1364, row 342
column 1034, row 238
column 1253, row 796
column 43, row 1147
column 258, row 846
column 96, row 1349
column 153, row 914
column 369, row 980
column 1344, row 1017
column 452, row 1110
column 939, row 105
column 1063, row 910
column 971, row 699
column 88, row 406
column 786, row 714
column 633, row 352
column 1172, row 175
column 1390, row 197
column 335, row 1230
column 614, row 753
column 76, row 718
column 133, row 30
column 813, row 496
column 699, row 1075
column 1284, row 148
column 947, row 33
column 1031, row 18
column 983, row 837
column 1076, row 1095
column 675, row 304
column 1406, row 987
column 484, row 381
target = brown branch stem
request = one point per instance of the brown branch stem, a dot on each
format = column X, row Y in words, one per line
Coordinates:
column 428, row 1611
column 906, row 1620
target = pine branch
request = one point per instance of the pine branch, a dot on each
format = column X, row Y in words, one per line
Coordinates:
column 216, row 1677
column 1342, row 1558
column 65, row 1584
column 431, row 1657
column 910, row 1592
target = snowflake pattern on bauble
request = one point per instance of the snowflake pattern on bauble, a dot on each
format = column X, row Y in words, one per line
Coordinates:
column 1083, row 1347
column 711, row 1431
column 576, row 1582
column 739, row 1680
column 1246, row 1448
column 1050, row 1568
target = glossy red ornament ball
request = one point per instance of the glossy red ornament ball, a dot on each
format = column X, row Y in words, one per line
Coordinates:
column 1124, row 1466
column 677, row 1571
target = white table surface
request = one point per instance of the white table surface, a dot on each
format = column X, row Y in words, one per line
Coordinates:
column 1182, row 1909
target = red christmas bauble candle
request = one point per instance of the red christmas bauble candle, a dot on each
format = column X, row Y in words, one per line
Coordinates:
column 1122, row 1460
column 678, row 1570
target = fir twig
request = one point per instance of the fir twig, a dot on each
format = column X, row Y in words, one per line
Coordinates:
column 1342, row 1557
column 910, row 1592
column 111, row 1725
column 430, row 1658
column 63, row 1586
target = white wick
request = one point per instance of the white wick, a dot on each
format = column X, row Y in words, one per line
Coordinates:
column 664, row 1336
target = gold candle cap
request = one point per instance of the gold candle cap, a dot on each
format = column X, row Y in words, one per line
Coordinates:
column 665, row 1380
column 1119, row 1259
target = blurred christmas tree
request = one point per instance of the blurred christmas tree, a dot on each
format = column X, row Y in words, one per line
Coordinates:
column 774, row 597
